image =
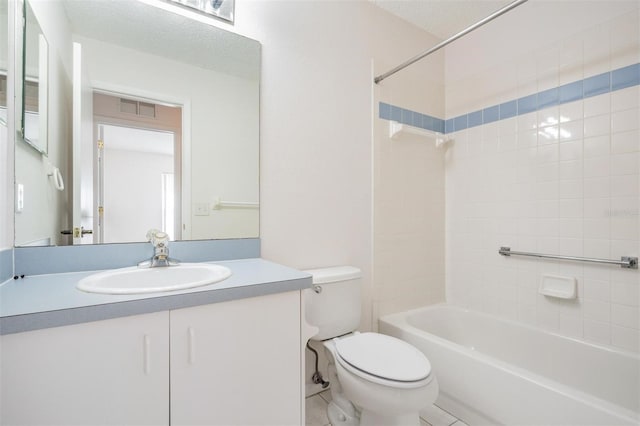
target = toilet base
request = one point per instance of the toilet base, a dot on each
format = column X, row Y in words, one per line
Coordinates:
column 337, row 417
column 377, row 419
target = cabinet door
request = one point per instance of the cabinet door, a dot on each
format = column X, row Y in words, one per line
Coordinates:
column 112, row 372
column 237, row 362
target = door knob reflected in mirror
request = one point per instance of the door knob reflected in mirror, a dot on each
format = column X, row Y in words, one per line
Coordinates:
column 76, row 232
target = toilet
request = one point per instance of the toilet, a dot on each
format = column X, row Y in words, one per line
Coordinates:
column 375, row 379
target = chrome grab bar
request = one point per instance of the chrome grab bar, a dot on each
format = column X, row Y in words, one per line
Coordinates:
column 625, row 262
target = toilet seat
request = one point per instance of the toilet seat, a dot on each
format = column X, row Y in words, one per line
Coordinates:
column 383, row 359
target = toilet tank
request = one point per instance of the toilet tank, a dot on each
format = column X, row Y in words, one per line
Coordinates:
column 334, row 302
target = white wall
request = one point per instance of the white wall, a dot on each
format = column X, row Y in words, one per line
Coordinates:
column 318, row 105
column 319, row 131
column 573, row 194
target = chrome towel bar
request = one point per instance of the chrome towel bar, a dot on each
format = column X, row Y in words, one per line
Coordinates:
column 624, row 262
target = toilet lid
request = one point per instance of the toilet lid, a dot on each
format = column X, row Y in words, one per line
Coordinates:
column 384, row 356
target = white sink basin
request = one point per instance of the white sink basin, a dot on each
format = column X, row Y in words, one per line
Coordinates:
column 135, row 280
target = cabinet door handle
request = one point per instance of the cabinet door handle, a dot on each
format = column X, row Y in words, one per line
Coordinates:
column 146, row 354
column 192, row 345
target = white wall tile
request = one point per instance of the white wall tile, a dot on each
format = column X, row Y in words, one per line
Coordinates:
column 596, row 207
column 597, row 105
column 570, row 169
column 625, row 40
column 624, row 315
column 597, row 50
column 597, row 290
column 625, row 99
column 571, row 130
column 626, row 338
column 596, row 167
column 597, row 310
column 571, row 150
column 571, row 188
column 597, row 125
column 575, row 189
column 528, row 139
column 598, row 228
column 570, row 228
column 571, row 208
column 571, row 325
column 597, row 331
column 571, row 111
column 625, row 293
column 625, row 142
column 625, row 164
column 597, row 248
column 549, row 116
column 598, row 187
column 548, row 170
column 624, row 186
column 597, row 146
column 624, row 121
column 570, row 246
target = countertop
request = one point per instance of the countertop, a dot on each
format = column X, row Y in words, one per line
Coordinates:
column 52, row 300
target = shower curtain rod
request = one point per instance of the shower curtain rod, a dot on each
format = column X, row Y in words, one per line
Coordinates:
column 439, row 46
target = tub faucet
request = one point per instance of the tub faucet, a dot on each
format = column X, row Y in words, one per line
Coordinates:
column 160, row 241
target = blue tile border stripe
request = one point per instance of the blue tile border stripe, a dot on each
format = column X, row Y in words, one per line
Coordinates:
column 412, row 118
column 617, row 79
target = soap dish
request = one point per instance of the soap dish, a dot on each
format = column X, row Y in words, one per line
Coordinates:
column 557, row 286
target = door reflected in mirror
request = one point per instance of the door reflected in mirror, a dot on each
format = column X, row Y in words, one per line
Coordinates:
column 146, row 60
column 137, row 156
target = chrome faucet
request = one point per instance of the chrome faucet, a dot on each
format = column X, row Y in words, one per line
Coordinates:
column 160, row 241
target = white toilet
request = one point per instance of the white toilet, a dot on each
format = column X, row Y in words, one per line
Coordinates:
column 375, row 379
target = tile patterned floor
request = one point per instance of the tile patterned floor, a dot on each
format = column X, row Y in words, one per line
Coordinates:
column 316, row 413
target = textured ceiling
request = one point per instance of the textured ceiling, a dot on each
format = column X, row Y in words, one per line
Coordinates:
column 442, row 18
column 145, row 28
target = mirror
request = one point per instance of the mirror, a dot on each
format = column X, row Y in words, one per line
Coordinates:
column 153, row 123
column 35, row 60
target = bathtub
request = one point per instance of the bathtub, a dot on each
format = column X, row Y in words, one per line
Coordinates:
column 495, row 371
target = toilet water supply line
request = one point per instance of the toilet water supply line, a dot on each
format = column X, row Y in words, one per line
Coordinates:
column 317, row 376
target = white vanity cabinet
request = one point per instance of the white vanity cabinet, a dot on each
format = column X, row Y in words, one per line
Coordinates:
column 111, row 372
column 237, row 362
column 229, row 363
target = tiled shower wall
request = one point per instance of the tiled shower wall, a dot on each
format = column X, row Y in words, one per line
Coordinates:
column 561, row 179
column 408, row 188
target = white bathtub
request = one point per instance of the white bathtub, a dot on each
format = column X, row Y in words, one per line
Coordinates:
column 495, row 371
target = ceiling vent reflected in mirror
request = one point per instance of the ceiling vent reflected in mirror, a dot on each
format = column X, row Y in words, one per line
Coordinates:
column 143, row 109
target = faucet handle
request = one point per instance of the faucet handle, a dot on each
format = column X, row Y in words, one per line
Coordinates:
column 156, row 237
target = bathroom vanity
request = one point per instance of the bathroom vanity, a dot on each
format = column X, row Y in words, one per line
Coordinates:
column 227, row 353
